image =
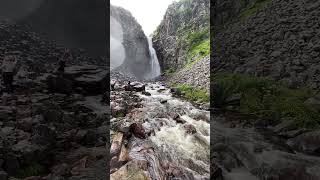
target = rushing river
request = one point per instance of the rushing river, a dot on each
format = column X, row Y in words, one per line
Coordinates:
column 172, row 144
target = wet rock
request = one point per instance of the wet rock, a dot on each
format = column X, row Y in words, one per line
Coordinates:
column 177, row 118
column 116, row 144
column 163, row 101
column 138, row 130
column 139, row 87
column 146, row 93
column 284, row 126
column 190, row 129
column 308, row 143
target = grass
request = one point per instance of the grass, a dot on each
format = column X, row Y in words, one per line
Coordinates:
column 258, row 5
column 33, row 170
column 169, row 72
column 266, row 99
column 198, row 52
column 193, row 93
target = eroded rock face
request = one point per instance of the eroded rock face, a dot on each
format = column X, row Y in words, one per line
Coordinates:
column 137, row 60
column 180, row 18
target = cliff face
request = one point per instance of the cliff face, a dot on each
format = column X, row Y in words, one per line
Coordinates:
column 184, row 27
column 272, row 38
column 137, row 60
column 72, row 23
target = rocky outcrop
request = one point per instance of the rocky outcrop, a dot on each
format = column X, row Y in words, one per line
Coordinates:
column 137, row 60
column 278, row 40
column 182, row 21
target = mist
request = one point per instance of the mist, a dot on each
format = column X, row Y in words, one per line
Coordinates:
column 117, row 51
column 18, row 9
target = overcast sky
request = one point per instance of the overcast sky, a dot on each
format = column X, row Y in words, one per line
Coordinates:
column 148, row 13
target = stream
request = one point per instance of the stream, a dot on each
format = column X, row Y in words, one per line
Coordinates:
column 179, row 143
column 253, row 154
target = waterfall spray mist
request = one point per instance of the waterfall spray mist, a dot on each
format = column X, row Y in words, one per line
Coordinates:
column 117, row 51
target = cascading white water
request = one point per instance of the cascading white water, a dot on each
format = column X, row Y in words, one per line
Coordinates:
column 155, row 66
column 190, row 152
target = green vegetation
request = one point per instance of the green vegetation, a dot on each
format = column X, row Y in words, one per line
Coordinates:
column 200, row 51
column 33, row 170
column 169, row 72
column 192, row 93
column 266, row 99
column 258, row 5
column 120, row 114
column 196, row 38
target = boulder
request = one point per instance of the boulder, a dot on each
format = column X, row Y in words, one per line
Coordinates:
column 190, row 129
column 59, row 84
column 308, row 143
column 92, row 79
column 138, row 130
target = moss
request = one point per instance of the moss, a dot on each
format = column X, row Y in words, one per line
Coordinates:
column 120, row 114
column 34, row 169
column 193, row 93
column 266, row 99
column 258, row 5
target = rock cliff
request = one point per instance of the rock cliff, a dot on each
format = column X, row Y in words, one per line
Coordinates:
column 277, row 39
column 182, row 43
column 184, row 27
column 137, row 60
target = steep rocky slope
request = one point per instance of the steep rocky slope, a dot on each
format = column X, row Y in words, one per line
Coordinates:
column 182, row 39
column 53, row 126
column 137, row 60
column 73, row 23
column 277, row 39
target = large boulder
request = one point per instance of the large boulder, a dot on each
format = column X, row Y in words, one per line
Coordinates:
column 308, row 143
column 90, row 80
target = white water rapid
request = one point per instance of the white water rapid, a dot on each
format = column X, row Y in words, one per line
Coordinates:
column 171, row 141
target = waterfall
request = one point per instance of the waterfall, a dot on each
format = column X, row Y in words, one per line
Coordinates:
column 155, row 66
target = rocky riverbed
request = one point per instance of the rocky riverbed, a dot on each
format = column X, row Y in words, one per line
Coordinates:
column 156, row 135
column 272, row 152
